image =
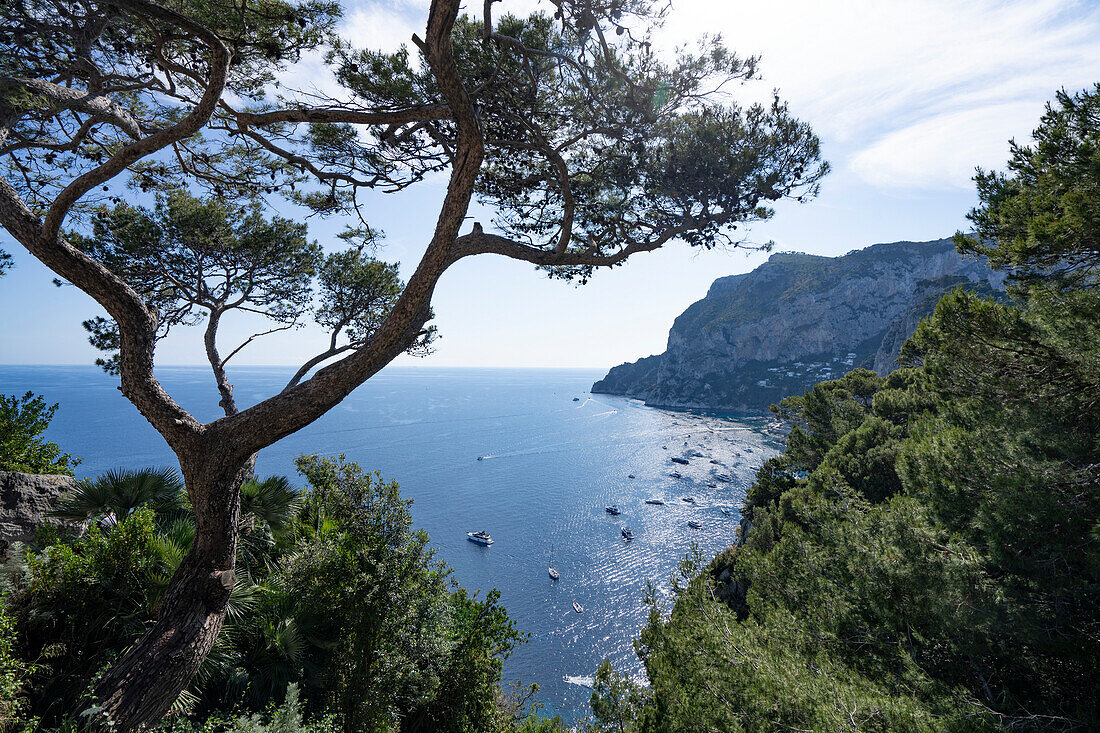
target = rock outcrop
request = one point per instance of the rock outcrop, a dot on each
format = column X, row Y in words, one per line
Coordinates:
column 794, row 321
column 26, row 501
column 638, row 378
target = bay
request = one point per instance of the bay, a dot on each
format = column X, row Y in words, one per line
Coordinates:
column 553, row 457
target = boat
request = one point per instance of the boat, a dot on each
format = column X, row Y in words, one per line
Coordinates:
column 576, row 399
column 554, row 574
column 577, row 607
column 724, row 477
column 480, row 538
column 675, row 474
column 695, row 525
column 626, row 533
column 688, row 499
column 655, row 502
column 664, row 447
column 726, row 511
column 681, row 461
column 712, row 486
column 716, row 461
column 481, row 458
column 630, row 476
column 613, row 510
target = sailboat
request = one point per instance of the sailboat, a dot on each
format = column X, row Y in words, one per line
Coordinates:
column 554, row 574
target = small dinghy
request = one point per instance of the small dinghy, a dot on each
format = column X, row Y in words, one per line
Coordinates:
column 695, row 525
column 577, row 607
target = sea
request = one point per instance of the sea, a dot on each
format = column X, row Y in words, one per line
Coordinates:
column 528, row 455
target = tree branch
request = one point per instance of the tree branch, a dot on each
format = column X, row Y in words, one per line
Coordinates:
column 63, row 98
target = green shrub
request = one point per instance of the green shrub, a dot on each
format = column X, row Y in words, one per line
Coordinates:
column 23, row 420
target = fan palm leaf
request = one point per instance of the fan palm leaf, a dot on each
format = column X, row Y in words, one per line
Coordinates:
column 118, row 492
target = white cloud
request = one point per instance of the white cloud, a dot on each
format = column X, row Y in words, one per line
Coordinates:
column 917, row 93
column 942, row 151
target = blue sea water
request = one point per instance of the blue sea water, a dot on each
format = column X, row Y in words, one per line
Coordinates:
column 551, row 464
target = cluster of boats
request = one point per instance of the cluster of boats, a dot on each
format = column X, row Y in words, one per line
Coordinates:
column 483, row 538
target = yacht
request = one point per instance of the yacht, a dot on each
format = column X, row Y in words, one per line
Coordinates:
column 577, row 607
column 554, row 574
column 480, row 538
column 626, row 533
column 655, row 502
column 695, row 525
column 613, row 510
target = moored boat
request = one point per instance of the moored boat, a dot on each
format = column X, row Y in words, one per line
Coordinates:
column 480, row 538
column 613, row 510
column 695, row 525
column 655, row 502
column 554, row 574
column 675, row 474
column 627, row 533
column 688, row 499
column 681, row 461
column 577, row 607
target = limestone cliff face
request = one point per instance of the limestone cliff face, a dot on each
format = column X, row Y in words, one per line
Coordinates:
column 795, row 320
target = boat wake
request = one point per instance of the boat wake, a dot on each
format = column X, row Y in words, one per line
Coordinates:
column 588, row 681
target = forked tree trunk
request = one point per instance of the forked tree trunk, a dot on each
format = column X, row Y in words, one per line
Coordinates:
column 140, row 688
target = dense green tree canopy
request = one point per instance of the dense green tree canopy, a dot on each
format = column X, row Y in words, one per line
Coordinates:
column 1040, row 218
column 925, row 553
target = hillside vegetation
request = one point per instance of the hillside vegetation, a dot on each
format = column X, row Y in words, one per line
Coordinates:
column 925, row 555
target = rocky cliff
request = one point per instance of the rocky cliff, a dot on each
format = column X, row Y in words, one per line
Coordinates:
column 794, row 321
column 26, row 501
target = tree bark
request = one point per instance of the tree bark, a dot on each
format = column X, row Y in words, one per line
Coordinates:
column 142, row 686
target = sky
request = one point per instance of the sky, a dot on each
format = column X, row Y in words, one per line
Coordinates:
column 907, row 96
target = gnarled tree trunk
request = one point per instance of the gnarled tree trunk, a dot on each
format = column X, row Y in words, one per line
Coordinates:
column 144, row 684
